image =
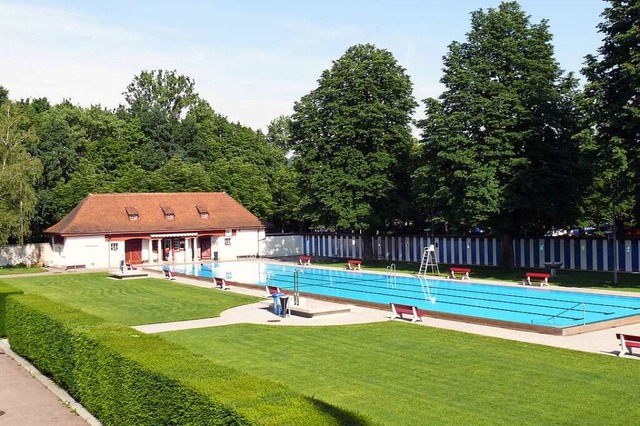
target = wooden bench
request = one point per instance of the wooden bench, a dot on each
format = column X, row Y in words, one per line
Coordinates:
column 221, row 283
column 541, row 277
column 74, row 267
column 304, row 260
column 398, row 310
column 464, row 271
column 354, row 264
column 627, row 341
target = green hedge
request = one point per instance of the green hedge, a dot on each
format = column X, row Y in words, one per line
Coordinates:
column 5, row 291
column 125, row 377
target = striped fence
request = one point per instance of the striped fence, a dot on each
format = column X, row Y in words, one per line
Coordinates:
column 589, row 254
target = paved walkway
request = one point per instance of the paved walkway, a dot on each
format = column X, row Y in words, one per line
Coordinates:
column 29, row 399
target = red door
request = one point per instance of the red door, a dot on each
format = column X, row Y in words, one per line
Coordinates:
column 205, row 247
column 133, row 251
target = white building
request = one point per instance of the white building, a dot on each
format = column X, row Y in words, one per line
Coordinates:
column 106, row 229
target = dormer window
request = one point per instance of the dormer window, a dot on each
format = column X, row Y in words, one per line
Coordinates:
column 169, row 213
column 203, row 210
column 133, row 213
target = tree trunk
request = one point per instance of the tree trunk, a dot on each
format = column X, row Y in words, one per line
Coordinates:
column 367, row 246
column 508, row 260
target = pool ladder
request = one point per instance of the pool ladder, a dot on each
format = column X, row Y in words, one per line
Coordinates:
column 391, row 275
column 426, row 290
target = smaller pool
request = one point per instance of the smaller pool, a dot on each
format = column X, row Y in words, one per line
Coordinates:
column 532, row 306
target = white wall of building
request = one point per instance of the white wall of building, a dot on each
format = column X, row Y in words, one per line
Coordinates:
column 97, row 252
column 91, row 251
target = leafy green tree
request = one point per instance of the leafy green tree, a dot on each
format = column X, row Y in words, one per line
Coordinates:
column 613, row 93
column 240, row 160
column 498, row 143
column 4, row 95
column 168, row 91
column 350, row 136
column 19, row 172
column 86, row 179
column 279, row 133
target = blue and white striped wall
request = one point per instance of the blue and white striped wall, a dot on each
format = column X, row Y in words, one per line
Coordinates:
column 593, row 254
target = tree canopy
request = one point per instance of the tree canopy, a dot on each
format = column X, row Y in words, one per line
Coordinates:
column 350, row 136
column 498, row 147
column 613, row 95
column 19, row 172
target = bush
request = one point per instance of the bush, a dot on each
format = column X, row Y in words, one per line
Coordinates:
column 125, row 377
column 5, row 291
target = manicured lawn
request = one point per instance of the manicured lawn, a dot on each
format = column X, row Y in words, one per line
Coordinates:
column 11, row 270
column 565, row 278
column 401, row 373
column 131, row 302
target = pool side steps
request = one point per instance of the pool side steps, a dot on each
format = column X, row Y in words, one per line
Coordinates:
column 310, row 308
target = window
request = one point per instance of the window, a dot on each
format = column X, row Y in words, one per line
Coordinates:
column 227, row 241
column 203, row 210
column 114, row 246
column 154, row 246
column 168, row 211
column 133, row 213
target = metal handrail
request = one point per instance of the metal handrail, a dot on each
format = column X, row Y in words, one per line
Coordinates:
column 391, row 275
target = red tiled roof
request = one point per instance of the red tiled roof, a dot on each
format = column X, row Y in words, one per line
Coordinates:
column 109, row 213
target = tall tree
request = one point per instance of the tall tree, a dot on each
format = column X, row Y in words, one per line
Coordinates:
column 350, row 136
column 613, row 91
column 168, row 91
column 18, row 172
column 279, row 133
column 498, row 146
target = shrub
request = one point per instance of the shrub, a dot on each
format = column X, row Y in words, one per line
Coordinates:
column 5, row 291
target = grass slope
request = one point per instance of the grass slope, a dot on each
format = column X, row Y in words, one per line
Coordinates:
column 400, row 373
column 131, row 302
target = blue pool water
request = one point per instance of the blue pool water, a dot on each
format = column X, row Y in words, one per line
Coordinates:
column 527, row 305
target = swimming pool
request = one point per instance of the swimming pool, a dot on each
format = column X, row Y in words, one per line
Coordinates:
column 531, row 306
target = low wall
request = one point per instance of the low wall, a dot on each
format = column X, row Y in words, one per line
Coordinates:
column 27, row 254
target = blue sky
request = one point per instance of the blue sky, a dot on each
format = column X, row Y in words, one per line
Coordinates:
column 250, row 59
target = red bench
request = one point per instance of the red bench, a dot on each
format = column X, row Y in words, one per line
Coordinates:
column 304, row 260
column 627, row 341
column 541, row 277
column 464, row 271
column 353, row 264
column 221, row 283
column 397, row 311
